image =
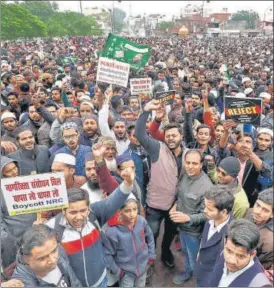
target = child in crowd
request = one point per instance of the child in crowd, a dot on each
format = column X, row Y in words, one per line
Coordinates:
column 129, row 246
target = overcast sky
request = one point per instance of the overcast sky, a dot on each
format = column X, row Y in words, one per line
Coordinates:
column 171, row 7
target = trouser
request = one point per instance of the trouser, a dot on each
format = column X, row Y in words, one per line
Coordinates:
column 190, row 248
column 154, row 219
column 131, row 281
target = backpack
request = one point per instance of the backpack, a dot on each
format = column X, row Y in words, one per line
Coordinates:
column 92, row 218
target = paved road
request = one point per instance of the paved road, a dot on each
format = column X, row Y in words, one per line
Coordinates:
column 162, row 276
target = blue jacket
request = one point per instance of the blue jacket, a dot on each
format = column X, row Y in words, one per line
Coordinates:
column 252, row 277
column 84, row 248
column 208, row 253
column 29, row 279
column 128, row 250
column 80, row 158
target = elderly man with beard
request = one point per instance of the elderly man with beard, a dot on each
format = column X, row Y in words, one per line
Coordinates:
column 33, row 158
column 70, row 134
column 90, row 134
column 118, row 132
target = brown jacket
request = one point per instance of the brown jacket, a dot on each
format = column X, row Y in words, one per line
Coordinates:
column 265, row 248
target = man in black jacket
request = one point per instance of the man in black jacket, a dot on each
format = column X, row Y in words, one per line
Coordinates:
column 42, row 262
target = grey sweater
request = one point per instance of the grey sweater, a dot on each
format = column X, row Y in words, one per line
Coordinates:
column 191, row 192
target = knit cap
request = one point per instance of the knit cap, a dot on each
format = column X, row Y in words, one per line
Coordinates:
column 231, row 166
column 123, row 158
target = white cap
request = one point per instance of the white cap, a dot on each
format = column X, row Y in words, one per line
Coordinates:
column 6, row 115
column 265, row 95
column 266, row 131
column 245, row 79
column 65, row 158
column 85, row 98
column 240, row 95
column 248, row 91
column 4, row 64
column 87, row 103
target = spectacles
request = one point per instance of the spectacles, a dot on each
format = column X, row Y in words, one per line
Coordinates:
column 224, row 174
column 68, row 137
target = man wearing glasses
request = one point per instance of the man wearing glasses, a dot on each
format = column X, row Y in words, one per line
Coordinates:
column 70, row 135
column 226, row 174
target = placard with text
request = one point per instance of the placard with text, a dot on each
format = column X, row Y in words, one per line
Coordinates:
column 35, row 193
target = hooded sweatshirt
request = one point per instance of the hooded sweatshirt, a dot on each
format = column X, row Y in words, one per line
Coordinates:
column 15, row 225
column 128, row 250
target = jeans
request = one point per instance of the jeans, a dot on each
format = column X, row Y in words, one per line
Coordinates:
column 131, row 281
column 190, row 248
column 154, row 219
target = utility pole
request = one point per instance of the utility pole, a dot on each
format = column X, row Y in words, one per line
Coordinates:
column 81, row 9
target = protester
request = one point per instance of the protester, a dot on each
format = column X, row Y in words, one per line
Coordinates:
column 188, row 211
column 262, row 216
column 218, row 206
column 42, row 262
column 239, row 266
column 57, row 117
column 227, row 175
column 91, row 271
column 126, row 238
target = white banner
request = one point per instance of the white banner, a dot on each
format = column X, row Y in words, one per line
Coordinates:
column 112, row 72
column 35, row 193
column 139, row 85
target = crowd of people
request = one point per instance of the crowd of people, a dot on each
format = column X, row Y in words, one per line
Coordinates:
column 131, row 163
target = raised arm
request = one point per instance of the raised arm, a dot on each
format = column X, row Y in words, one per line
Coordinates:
column 151, row 145
column 188, row 131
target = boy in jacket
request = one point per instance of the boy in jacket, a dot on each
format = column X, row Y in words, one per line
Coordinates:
column 218, row 206
column 129, row 245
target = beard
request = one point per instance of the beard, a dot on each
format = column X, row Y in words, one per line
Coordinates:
column 93, row 184
column 111, row 164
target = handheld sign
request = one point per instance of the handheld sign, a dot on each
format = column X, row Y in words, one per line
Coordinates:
column 165, row 97
column 35, row 193
column 140, row 85
column 243, row 110
column 112, row 72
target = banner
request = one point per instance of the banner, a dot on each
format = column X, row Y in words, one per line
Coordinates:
column 165, row 97
column 243, row 110
column 35, row 193
column 126, row 51
column 138, row 85
column 112, row 72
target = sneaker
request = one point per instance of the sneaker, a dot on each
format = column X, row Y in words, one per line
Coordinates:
column 181, row 277
column 168, row 261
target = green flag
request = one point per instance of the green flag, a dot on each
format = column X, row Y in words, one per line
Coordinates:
column 126, row 51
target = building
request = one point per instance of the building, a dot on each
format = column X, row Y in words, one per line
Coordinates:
column 103, row 17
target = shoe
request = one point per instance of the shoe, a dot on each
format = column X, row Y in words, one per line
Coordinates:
column 181, row 277
column 168, row 261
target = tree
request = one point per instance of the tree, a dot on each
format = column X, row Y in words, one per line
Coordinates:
column 18, row 22
column 118, row 18
column 71, row 24
column 42, row 9
column 249, row 16
column 163, row 25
